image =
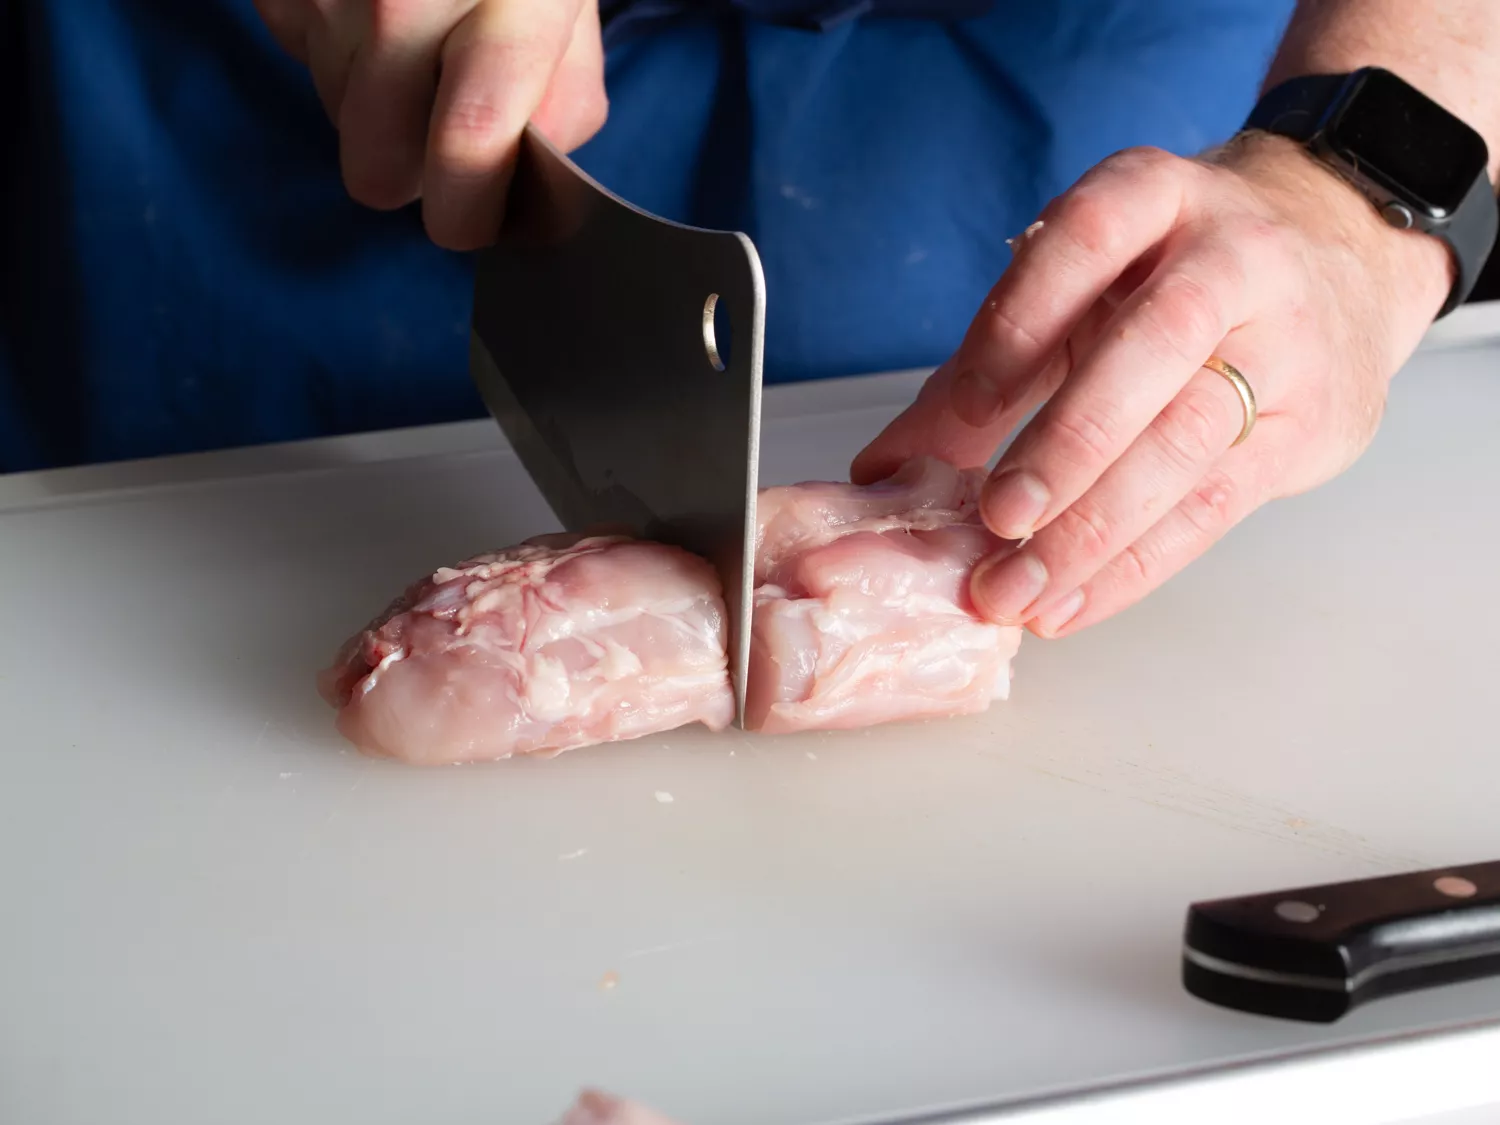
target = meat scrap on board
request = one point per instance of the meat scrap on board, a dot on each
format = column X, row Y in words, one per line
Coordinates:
column 594, row 1108
column 861, row 616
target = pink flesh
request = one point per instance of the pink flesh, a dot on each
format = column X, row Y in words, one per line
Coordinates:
column 593, row 1108
column 862, row 613
column 861, row 616
column 538, row 649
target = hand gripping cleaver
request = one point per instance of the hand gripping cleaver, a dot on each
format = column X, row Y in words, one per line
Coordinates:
column 594, row 347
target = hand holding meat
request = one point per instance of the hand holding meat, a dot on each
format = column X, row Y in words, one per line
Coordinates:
column 1148, row 267
column 430, row 97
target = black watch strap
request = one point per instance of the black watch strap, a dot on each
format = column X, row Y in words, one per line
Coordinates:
column 1296, row 108
column 1299, row 108
column 1475, row 223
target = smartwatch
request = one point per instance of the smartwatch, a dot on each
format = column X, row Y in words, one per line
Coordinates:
column 1423, row 168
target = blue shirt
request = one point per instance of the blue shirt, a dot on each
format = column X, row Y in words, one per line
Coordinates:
column 181, row 269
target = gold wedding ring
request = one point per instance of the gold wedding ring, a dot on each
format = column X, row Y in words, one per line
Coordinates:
column 1242, row 388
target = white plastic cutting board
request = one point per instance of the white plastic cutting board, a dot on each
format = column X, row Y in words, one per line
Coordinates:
column 214, row 913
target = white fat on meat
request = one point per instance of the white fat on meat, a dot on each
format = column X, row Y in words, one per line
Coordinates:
column 861, row 616
column 559, row 643
column 862, row 612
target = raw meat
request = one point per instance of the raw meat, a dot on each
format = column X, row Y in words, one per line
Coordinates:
column 558, row 643
column 862, row 613
column 861, row 616
column 593, row 1108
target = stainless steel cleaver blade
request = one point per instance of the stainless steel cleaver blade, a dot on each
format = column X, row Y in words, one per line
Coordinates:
column 594, row 347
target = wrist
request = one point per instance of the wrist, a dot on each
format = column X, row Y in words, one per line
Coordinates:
column 1415, row 268
column 1449, row 60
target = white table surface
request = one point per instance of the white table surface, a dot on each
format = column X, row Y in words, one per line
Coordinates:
column 214, row 913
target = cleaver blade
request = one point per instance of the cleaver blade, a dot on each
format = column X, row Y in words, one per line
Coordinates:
column 593, row 345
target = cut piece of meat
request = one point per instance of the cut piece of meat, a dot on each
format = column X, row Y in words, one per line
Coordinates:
column 924, row 494
column 559, row 643
column 861, row 616
column 594, row 1108
column 862, row 613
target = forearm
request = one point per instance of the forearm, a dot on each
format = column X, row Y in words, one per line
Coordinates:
column 1448, row 49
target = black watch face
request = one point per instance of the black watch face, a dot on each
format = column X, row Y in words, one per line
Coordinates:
column 1407, row 140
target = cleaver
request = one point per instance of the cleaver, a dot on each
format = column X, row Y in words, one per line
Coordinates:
column 621, row 355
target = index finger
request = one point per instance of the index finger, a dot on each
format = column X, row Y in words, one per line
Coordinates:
column 1154, row 344
column 1090, row 235
column 496, row 67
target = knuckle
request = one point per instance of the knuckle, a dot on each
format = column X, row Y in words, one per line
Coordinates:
column 473, row 132
column 1182, row 316
column 1211, row 505
column 1084, row 532
column 478, row 118
column 392, row 21
column 1138, row 564
column 1191, row 429
column 483, row 118
column 531, row 52
column 1089, row 219
column 1011, row 331
column 1144, row 162
column 1143, row 158
column 1084, row 437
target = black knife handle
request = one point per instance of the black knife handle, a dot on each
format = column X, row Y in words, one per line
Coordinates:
column 1315, row 953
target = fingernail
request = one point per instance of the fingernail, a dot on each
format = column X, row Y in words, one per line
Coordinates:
column 1015, row 500
column 977, row 399
column 1057, row 618
column 1003, row 588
